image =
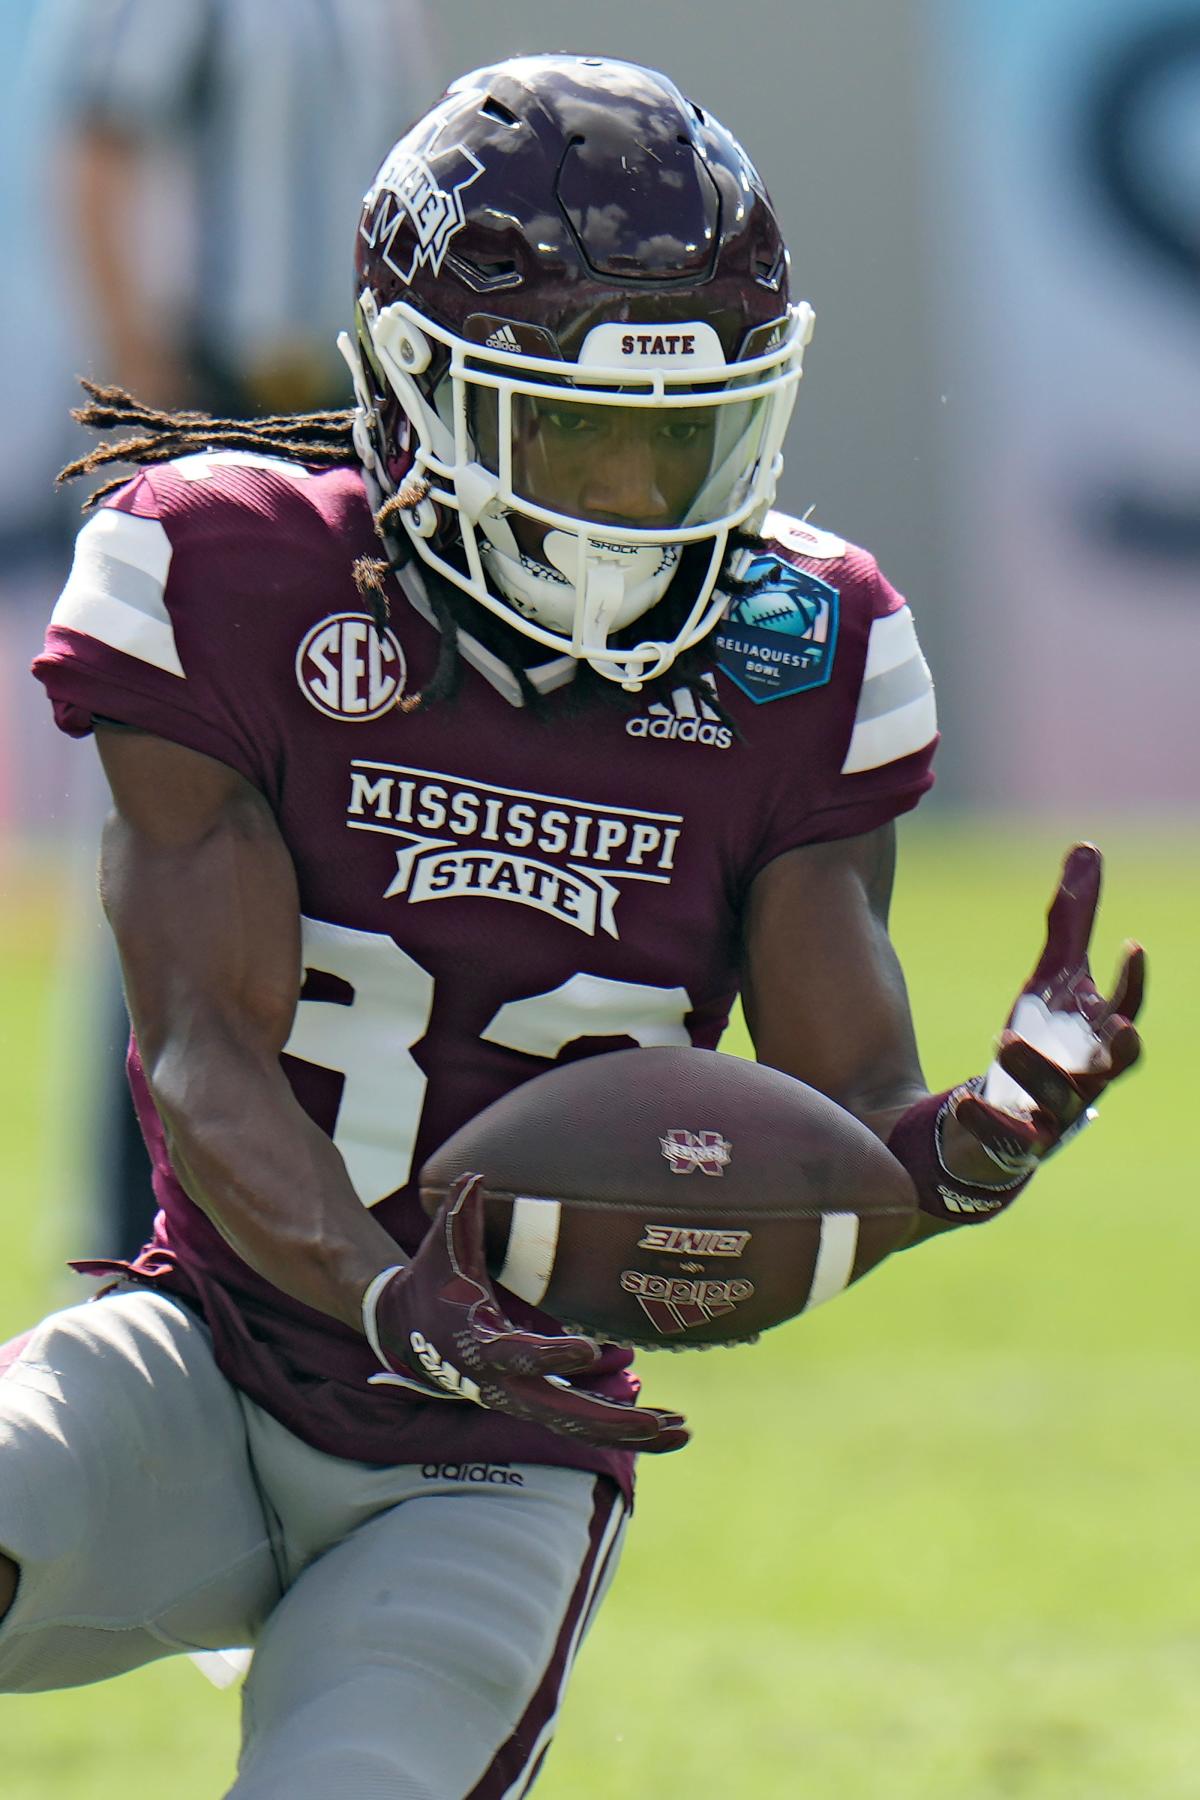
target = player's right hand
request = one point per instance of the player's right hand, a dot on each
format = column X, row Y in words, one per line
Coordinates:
column 439, row 1330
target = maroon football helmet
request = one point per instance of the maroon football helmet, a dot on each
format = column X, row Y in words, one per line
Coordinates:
column 575, row 351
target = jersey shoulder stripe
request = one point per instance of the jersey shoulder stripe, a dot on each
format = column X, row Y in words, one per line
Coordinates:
column 896, row 713
column 115, row 592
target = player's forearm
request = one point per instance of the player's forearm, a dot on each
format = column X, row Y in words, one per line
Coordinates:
column 270, row 1179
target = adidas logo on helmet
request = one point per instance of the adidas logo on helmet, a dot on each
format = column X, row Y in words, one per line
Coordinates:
column 684, row 719
column 503, row 338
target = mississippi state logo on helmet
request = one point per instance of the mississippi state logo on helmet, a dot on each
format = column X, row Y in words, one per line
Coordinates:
column 557, row 232
column 417, row 197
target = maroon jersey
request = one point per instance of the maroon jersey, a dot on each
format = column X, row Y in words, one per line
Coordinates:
column 485, row 890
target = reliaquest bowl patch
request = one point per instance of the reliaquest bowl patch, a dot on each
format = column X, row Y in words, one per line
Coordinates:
column 780, row 639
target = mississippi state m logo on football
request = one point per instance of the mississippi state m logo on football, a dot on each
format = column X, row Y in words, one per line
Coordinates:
column 347, row 671
column 707, row 1151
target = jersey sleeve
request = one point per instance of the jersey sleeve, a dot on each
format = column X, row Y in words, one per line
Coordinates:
column 863, row 750
column 146, row 633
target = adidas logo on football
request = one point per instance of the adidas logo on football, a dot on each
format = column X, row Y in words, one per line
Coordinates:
column 505, row 338
column 684, row 718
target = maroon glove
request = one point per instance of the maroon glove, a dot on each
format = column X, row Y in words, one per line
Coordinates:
column 1061, row 1046
column 436, row 1326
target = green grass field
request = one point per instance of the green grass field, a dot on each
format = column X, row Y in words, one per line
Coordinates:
column 941, row 1541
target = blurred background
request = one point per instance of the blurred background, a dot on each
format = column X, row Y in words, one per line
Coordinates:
column 943, row 1540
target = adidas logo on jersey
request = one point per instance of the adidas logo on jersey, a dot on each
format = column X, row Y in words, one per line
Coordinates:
column 683, row 718
column 503, row 339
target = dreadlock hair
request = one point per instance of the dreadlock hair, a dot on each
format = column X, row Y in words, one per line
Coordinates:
column 325, row 440
column 322, row 439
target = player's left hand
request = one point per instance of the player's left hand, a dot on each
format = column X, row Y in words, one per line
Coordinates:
column 1063, row 1041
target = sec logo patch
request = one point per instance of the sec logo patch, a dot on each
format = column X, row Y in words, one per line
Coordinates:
column 347, row 671
column 780, row 639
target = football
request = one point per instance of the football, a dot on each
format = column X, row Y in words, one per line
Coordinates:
column 676, row 1197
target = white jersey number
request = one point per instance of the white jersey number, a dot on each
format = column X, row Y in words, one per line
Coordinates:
column 370, row 1039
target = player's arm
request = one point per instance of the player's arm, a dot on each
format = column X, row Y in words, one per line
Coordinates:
column 822, row 987
column 201, row 894
column 826, row 1002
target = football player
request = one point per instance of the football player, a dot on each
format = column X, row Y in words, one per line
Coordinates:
column 495, row 721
